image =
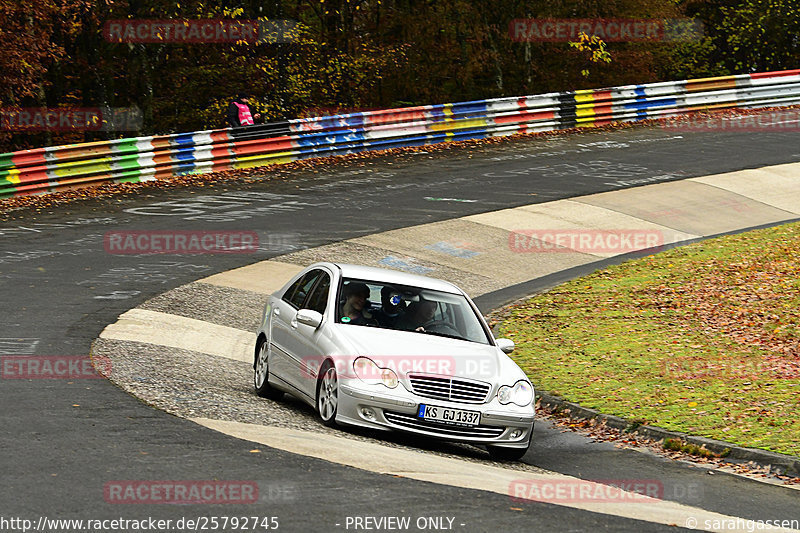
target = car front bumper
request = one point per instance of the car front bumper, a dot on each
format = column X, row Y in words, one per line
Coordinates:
column 378, row 407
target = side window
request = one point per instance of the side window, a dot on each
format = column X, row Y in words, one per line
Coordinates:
column 297, row 292
column 319, row 297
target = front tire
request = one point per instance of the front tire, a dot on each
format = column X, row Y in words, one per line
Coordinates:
column 500, row 453
column 261, row 373
column 328, row 394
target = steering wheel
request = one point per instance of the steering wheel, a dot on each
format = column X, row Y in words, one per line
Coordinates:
column 442, row 326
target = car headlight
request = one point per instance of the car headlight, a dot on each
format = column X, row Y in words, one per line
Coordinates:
column 521, row 393
column 388, row 377
column 369, row 372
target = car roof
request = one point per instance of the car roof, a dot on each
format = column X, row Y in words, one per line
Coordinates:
column 368, row 273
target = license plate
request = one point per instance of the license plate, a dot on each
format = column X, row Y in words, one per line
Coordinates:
column 445, row 415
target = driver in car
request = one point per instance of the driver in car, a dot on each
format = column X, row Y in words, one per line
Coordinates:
column 418, row 315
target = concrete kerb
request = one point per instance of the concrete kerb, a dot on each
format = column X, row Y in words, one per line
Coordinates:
column 777, row 463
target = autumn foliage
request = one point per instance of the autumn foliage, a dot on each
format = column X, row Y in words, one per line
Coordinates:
column 352, row 54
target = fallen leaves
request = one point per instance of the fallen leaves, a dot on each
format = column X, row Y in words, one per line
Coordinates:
column 598, row 431
column 701, row 339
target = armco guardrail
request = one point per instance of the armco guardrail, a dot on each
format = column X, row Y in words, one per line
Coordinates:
column 150, row 158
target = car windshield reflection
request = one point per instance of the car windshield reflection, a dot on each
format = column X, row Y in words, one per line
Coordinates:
column 405, row 308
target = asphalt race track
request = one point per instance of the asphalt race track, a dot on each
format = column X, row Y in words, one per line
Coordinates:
column 65, row 441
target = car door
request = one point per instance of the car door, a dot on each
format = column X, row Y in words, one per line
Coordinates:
column 284, row 346
column 305, row 340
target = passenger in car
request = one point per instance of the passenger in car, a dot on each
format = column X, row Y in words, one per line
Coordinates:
column 417, row 315
column 355, row 309
column 392, row 308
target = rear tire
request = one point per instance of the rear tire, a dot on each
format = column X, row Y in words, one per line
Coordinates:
column 261, row 373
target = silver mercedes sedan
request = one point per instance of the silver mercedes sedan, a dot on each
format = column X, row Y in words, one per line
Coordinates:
column 389, row 350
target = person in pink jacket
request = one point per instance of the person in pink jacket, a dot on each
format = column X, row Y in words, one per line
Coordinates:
column 239, row 112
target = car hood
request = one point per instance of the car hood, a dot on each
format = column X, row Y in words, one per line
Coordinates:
column 411, row 352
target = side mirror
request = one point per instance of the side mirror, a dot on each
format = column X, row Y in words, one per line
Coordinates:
column 309, row 317
column 505, row 345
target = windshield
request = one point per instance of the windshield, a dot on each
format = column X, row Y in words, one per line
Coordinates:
column 406, row 308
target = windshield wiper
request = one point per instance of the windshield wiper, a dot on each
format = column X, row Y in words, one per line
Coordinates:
column 449, row 336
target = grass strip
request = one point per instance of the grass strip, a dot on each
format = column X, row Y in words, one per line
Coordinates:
column 702, row 339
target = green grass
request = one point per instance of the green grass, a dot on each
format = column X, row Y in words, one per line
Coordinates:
column 701, row 339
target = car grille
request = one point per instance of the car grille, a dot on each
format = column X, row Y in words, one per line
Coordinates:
column 412, row 422
column 456, row 390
